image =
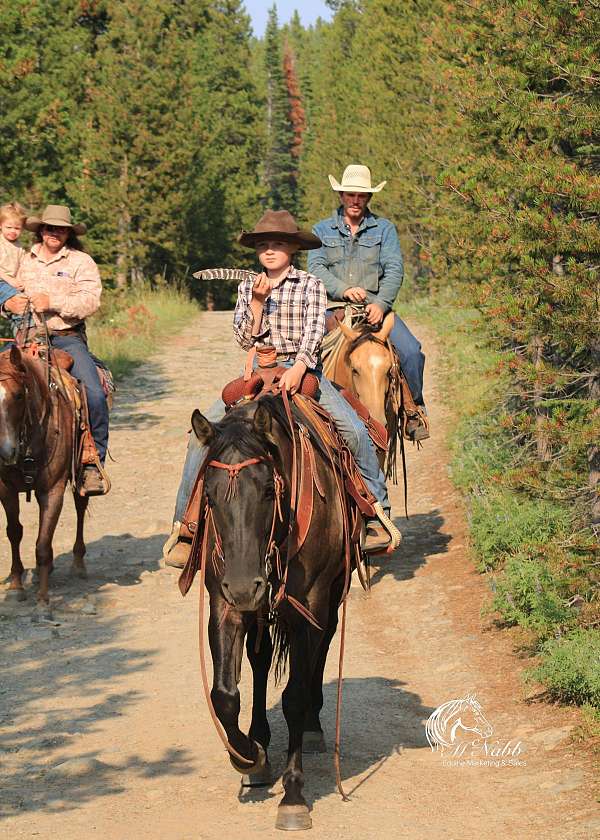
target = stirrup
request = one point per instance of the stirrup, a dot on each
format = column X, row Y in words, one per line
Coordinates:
column 395, row 535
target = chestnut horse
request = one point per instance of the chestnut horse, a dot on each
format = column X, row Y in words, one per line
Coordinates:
column 37, row 426
column 366, row 365
column 252, row 575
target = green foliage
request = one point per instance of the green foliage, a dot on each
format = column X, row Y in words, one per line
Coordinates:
column 132, row 322
column 571, row 668
column 528, row 593
column 503, row 523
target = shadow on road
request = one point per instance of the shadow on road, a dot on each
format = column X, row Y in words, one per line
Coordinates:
column 148, row 385
column 80, row 656
column 380, row 719
column 422, row 537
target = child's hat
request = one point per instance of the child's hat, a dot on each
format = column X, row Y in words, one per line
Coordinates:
column 55, row 214
column 279, row 224
column 356, row 179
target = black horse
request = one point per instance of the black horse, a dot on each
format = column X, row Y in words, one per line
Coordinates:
column 248, row 499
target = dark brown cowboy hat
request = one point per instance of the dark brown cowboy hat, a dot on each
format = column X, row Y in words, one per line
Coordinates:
column 57, row 215
column 279, row 224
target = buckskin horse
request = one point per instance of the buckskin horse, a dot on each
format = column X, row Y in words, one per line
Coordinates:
column 262, row 568
column 37, row 428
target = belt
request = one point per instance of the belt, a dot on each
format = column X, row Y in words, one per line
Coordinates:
column 78, row 329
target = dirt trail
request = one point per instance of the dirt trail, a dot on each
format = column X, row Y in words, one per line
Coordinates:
column 112, row 691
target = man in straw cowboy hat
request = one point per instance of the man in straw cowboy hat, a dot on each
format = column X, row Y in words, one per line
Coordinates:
column 284, row 307
column 360, row 261
column 62, row 282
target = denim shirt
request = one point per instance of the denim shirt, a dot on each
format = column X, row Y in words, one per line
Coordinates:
column 371, row 259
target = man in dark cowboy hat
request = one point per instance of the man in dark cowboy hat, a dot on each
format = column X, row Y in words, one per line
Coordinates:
column 360, row 261
column 285, row 308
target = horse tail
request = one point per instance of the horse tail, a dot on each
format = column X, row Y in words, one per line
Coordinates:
column 281, row 650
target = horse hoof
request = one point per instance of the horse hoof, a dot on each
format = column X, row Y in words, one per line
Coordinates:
column 42, row 612
column 313, row 742
column 252, row 769
column 262, row 778
column 79, row 571
column 15, row 595
column 293, row 818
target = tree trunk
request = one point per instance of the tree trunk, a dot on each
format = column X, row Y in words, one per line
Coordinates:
column 123, row 222
column 594, row 449
column 540, row 412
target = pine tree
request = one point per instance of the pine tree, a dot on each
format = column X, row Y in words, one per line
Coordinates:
column 45, row 50
column 279, row 165
column 224, row 178
column 139, row 137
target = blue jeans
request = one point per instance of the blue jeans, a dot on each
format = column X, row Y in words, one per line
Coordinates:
column 348, row 423
column 412, row 360
column 84, row 369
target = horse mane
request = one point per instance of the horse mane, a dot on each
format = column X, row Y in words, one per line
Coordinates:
column 366, row 334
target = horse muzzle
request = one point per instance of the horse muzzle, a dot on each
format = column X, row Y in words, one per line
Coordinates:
column 243, row 594
column 9, row 452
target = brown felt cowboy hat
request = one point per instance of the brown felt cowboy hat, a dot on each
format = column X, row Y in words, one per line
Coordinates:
column 57, row 215
column 279, row 224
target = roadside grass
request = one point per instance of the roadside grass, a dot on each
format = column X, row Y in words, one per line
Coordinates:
column 134, row 322
column 528, row 536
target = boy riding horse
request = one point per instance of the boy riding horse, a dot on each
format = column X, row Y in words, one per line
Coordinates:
column 285, row 308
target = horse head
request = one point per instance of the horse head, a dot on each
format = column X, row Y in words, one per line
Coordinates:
column 370, row 362
column 13, row 405
column 243, row 486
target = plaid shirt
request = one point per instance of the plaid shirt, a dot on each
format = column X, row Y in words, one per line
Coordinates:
column 293, row 319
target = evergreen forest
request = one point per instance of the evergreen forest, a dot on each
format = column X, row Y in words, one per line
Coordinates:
column 167, row 127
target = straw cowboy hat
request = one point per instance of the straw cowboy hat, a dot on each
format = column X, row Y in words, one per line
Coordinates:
column 279, row 224
column 57, row 215
column 356, row 179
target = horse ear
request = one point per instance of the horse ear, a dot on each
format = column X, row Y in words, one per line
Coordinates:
column 262, row 422
column 202, row 427
column 16, row 358
column 348, row 331
column 386, row 327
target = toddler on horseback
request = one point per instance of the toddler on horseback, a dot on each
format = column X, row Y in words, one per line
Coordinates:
column 285, row 308
column 12, row 220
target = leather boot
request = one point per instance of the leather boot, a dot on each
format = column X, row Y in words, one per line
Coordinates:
column 416, row 428
column 178, row 554
column 376, row 537
column 92, row 483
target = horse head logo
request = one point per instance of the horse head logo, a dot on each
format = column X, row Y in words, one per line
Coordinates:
column 447, row 725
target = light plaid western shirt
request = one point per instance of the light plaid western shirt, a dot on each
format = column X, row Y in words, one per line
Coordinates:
column 293, row 319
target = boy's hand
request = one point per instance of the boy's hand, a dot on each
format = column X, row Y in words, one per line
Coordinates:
column 261, row 288
column 18, row 284
column 291, row 379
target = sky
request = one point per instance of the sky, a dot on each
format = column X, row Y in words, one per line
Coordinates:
column 309, row 10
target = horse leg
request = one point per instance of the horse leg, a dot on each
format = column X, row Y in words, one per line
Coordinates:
column 305, row 640
column 226, row 641
column 50, row 507
column 313, row 740
column 14, row 532
column 260, row 661
column 78, row 567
